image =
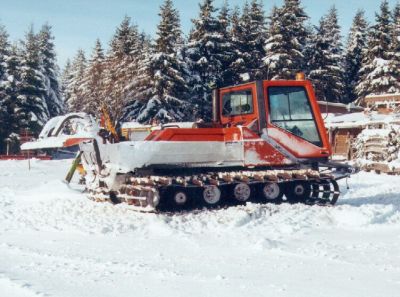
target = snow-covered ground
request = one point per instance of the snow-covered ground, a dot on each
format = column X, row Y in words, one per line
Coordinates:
column 55, row 242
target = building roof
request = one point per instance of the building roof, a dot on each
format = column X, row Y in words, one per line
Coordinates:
column 360, row 120
column 338, row 108
column 382, row 98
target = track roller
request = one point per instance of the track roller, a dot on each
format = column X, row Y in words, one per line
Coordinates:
column 242, row 192
column 180, row 198
column 211, row 195
column 272, row 192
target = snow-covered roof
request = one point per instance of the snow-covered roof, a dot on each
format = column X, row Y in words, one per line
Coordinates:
column 345, row 107
column 134, row 125
column 383, row 95
column 359, row 119
column 332, row 104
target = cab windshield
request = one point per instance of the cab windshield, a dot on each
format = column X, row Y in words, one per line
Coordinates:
column 290, row 110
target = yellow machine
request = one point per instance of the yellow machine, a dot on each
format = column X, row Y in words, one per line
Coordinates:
column 108, row 124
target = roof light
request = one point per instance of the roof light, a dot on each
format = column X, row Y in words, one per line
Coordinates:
column 300, row 76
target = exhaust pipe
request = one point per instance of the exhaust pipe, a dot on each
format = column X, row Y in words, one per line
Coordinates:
column 215, row 106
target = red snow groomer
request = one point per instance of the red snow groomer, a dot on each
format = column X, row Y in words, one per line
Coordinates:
column 267, row 143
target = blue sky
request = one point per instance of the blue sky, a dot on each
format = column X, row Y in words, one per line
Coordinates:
column 77, row 23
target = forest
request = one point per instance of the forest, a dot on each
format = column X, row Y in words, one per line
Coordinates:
column 169, row 76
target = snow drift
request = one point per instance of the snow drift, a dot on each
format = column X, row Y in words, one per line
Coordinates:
column 54, row 242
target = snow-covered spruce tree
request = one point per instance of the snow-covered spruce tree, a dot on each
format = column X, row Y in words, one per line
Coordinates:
column 377, row 74
column 73, row 94
column 160, row 85
column 277, row 59
column 120, row 68
column 142, row 86
column 92, row 82
column 205, row 56
column 237, row 65
column 309, row 47
column 65, row 79
column 299, row 29
column 252, row 39
column 286, row 43
column 12, row 89
column 326, row 62
column 32, row 110
column 356, row 44
column 227, row 45
column 395, row 44
column 53, row 96
column 167, row 68
column 4, row 53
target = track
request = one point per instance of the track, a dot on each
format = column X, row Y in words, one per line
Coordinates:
column 214, row 190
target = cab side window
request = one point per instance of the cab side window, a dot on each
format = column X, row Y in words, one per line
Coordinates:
column 237, row 103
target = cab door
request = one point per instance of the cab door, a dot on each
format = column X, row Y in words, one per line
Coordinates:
column 294, row 120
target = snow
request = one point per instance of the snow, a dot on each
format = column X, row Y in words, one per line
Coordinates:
column 360, row 119
column 55, row 242
column 383, row 96
column 134, row 125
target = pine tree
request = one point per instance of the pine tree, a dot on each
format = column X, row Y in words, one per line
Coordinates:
column 168, row 78
column 248, row 33
column 277, row 60
column 92, row 83
column 66, row 77
column 51, row 71
column 395, row 44
column 356, row 44
column 377, row 73
column 227, row 46
column 74, row 94
column 142, row 87
column 309, row 47
column 237, row 66
column 12, row 89
column 205, row 54
column 299, row 30
column 4, row 48
column 167, row 67
column 286, row 43
column 326, row 62
column 121, row 66
column 160, row 84
column 254, row 24
column 4, row 53
column 32, row 108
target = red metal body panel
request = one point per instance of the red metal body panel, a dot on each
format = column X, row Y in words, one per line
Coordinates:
column 257, row 151
column 23, row 157
column 196, row 134
column 74, row 141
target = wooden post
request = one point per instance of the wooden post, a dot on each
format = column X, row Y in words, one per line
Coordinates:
column 8, row 145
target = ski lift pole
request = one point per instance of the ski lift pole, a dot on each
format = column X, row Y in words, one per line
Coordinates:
column 74, row 165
